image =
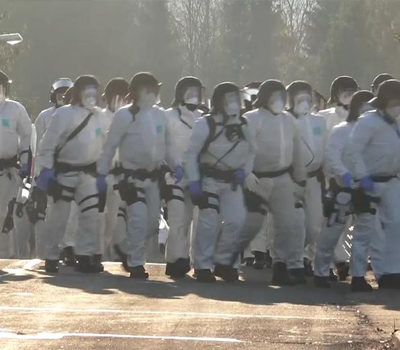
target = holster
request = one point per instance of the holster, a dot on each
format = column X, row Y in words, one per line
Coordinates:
column 8, row 224
column 129, row 193
column 362, row 203
column 102, row 201
column 55, row 190
column 36, row 205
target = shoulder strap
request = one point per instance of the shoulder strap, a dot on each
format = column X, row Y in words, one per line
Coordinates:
column 134, row 110
column 181, row 119
column 212, row 127
column 74, row 133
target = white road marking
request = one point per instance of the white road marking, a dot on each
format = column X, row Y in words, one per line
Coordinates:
column 163, row 313
column 57, row 336
column 31, row 264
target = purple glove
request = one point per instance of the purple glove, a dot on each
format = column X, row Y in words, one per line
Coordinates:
column 44, row 179
column 178, row 174
column 195, row 190
column 367, row 184
column 101, row 183
column 239, row 176
column 24, row 171
column 347, row 180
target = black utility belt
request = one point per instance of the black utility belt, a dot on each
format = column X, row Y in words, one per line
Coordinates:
column 68, row 168
column 383, row 178
column 272, row 174
column 8, row 163
column 142, row 174
column 221, row 175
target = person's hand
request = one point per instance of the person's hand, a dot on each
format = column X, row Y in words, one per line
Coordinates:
column 194, row 188
column 347, row 180
column 178, row 174
column 101, row 183
column 367, row 184
column 44, row 179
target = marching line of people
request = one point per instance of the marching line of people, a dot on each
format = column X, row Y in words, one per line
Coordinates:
column 264, row 175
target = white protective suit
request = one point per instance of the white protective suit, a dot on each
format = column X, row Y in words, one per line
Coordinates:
column 334, row 116
column 179, row 125
column 222, row 217
column 140, row 140
column 278, row 159
column 375, row 151
column 15, row 134
column 313, row 134
column 77, row 185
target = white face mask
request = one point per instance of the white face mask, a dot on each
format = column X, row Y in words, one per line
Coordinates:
column 345, row 97
column 302, row 104
column 192, row 96
column 277, row 106
column 393, row 112
column 147, row 99
column 89, row 97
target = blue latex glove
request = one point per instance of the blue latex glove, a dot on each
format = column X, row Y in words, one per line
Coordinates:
column 195, row 190
column 347, row 180
column 101, row 183
column 367, row 184
column 239, row 176
column 44, row 179
column 23, row 171
column 178, row 174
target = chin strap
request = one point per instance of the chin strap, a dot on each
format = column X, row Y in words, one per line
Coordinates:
column 345, row 107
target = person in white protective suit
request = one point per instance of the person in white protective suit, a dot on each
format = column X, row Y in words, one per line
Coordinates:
column 15, row 134
column 313, row 136
column 256, row 253
column 342, row 89
column 180, row 119
column 218, row 159
column 375, row 155
column 138, row 132
column 38, row 200
column 337, row 209
column 67, row 156
column 278, row 167
column 114, row 94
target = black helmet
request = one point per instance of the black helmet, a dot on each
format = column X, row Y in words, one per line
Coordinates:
column 267, row 88
column 379, row 79
column 140, row 80
column 219, row 92
column 388, row 90
column 59, row 85
column 80, row 84
column 294, row 88
column 116, row 86
column 182, row 85
column 357, row 100
column 341, row 83
column 5, row 81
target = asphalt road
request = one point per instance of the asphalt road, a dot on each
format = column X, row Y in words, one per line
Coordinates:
column 111, row 311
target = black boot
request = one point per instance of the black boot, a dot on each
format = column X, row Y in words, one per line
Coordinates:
column 308, row 269
column 138, row 272
column 359, row 284
column 51, row 266
column 322, row 282
column 204, row 275
column 298, row 276
column 68, row 256
column 85, row 264
column 178, row 269
column 332, row 276
column 342, row 270
column 96, row 262
column 249, row 261
column 280, row 275
column 122, row 257
column 259, row 260
column 226, row 272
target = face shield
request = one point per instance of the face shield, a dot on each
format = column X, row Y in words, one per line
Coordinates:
column 116, row 103
column 302, row 103
column 276, row 102
column 89, row 97
column 59, row 96
column 345, row 96
column 193, row 97
column 232, row 104
column 148, row 96
column 392, row 109
column 249, row 95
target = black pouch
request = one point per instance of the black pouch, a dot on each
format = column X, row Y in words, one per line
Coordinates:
column 55, row 190
column 362, row 202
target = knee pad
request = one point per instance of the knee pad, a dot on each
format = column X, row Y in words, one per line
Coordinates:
column 172, row 192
